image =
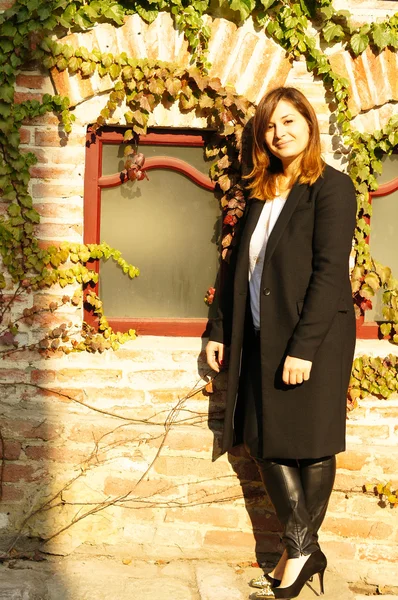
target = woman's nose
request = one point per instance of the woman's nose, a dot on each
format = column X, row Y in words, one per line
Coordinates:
column 279, row 131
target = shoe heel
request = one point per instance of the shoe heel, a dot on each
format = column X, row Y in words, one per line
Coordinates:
column 321, row 586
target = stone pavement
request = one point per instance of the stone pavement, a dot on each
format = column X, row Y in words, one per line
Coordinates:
column 70, row 578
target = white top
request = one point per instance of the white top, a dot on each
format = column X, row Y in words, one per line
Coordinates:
column 258, row 244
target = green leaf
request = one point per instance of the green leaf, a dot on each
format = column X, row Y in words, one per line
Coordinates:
column 385, row 329
column 244, row 7
column 8, row 30
column 32, row 215
column 267, row 3
column 6, row 93
column 114, row 13
column 359, row 43
column 332, row 32
column 114, row 71
column 381, row 36
column 147, row 15
column 14, row 210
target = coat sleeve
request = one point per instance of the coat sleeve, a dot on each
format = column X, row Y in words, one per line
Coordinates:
column 335, row 218
column 221, row 325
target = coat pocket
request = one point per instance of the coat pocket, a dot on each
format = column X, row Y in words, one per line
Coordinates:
column 342, row 307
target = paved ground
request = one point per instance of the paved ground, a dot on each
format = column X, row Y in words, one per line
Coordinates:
column 69, row 578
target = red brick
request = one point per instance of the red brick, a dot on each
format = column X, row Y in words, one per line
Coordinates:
column 352, row 460
column 194, row 440
column 391, row 62
column 378, row 553
column 30, row 430
column 112, row 433
column 20, row 97
column 25, row 135
column 116, row 393
column 53, row 138
column 59, row 394
column 117, row 486
column 173, row 396
column 380, row 84
column 362, row 84
column 12, row 450
column 181, row 466
column 389, row 464
column 53, row 172
column 339, row 550
column 13, row 472
column 217, row 516
column 55, row 231
column 12, row 493
column 51, row 190
column 368, row 432
column 14, row 375
column 349, row 482
column 33, row 82
column 42, row 376
column 390, row 412
column 62, row 455
column 59, row 211
column 93, row 375
column 228, row 491
column 51, row 320
column 62, row 156
column 46, row 119
column 4, row 4
column 366, row 506
column 241, row 539
column 185, row 356
column 357, row 528
column 338, row 502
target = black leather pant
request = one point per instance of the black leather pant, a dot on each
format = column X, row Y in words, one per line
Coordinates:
column 299, row 491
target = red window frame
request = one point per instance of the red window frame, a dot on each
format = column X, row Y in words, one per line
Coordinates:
column 94, row 182
column 370, row 330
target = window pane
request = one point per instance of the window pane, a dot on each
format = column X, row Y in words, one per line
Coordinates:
column 383, row 238
column 113, row 156
column 168, row 227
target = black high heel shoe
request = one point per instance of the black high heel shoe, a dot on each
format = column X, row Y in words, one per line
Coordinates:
column 316, row 564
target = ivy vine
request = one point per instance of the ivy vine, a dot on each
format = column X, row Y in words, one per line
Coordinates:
column 30, row 30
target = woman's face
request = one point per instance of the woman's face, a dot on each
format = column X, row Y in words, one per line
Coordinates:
column 287, row 134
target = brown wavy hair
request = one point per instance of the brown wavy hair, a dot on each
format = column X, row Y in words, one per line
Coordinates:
column 266, row 166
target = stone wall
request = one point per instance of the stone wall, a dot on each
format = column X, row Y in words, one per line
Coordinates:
column 82, row 430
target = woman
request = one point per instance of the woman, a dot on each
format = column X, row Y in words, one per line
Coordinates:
column 286, row 312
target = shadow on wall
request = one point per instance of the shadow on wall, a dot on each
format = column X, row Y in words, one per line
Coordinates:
column 28, row 426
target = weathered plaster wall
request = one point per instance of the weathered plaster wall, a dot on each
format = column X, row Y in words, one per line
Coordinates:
column 62, row 429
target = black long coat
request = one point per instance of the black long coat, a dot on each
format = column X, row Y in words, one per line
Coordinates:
column 306, row 311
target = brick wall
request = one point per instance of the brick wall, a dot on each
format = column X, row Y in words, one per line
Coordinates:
column 81, row 431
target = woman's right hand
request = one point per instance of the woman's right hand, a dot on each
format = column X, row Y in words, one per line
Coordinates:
column 215, row 355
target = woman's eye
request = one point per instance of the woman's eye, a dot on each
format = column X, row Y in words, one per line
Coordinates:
column 288, row 121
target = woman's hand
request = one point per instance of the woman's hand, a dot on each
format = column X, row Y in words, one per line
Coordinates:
column 215, row 355
column 296, row 370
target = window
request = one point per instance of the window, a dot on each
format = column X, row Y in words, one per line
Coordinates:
column 382, row 240
column 168, row 227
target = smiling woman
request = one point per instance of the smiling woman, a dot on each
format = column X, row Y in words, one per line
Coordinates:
column 287, row 313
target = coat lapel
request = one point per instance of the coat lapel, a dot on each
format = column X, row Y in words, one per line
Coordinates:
column 291, row 202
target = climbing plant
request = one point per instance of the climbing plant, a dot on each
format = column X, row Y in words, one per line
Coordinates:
column 30, row 31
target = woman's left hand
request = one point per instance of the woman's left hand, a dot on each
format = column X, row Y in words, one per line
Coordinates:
column 296, row 370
